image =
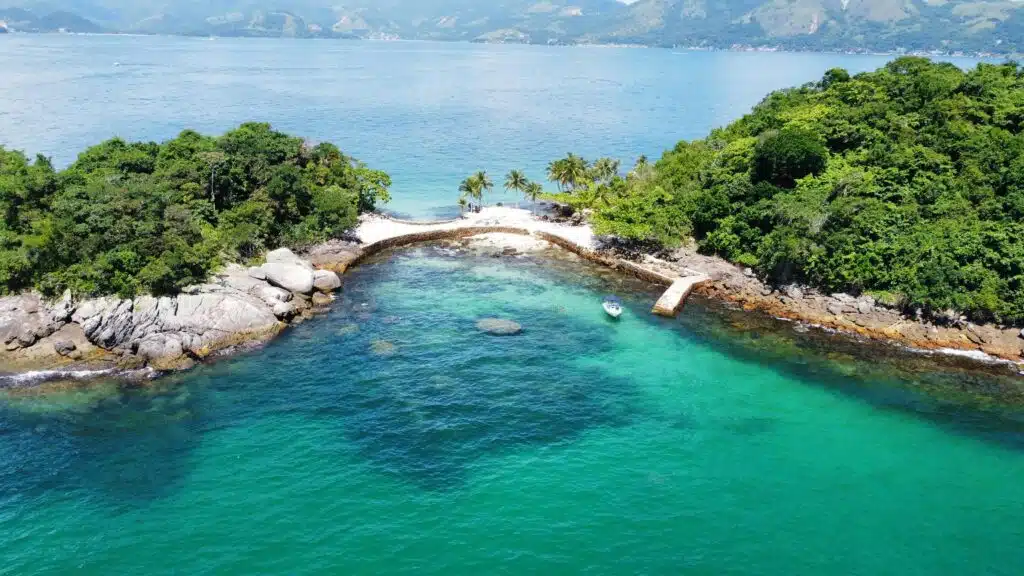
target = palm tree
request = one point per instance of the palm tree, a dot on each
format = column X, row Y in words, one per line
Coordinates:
column 557, row 171
column 534, row 189
column 462, row 204
column 483, row 184
column 516, row 180
column 213, row 159
column 468, row 188
column 575, row 170
column 605, row 169
column 642, row 170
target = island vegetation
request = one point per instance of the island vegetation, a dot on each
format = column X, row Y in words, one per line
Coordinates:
column 906, row 183
column 143, row 217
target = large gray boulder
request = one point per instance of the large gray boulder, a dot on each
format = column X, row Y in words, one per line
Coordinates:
column 285, row 310
column 160, row 347
column 223, row 314
column 24, row 319
column 326, row 281
column 271, row 295
column 291, row 277
column 286, row 256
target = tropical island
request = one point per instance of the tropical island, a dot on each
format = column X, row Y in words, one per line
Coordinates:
column 136, row 253
column 888, row 203
column 905, row 185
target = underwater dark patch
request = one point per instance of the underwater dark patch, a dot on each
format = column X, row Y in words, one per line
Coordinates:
column 128, row 448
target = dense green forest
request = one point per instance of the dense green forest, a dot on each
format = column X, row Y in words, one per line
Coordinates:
column 129, row 218
column 906, row 182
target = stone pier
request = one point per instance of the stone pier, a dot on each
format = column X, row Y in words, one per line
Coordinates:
column 673, row 299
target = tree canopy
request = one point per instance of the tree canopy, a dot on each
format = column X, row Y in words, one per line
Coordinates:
column 134, row 217
column 906, row 182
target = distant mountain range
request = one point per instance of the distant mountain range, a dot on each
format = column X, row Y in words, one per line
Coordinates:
column 995, row 26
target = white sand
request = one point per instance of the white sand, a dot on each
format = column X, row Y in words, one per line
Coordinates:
column 373, row 228
column 500, row 240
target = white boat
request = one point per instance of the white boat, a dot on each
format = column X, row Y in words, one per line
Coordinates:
column 613, row 306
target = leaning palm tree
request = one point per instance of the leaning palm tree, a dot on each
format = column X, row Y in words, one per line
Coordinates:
column 605, row 169
column 576, row 171
column 483, row 184
column 516, row 180
column 557, row 171
column 534, row 189
column 467, row 189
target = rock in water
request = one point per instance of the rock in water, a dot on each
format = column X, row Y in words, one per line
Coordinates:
column 326, row 281
column 498, row 326
column 321, row 299
column 348, row 329
column 291, row 277
column 382, row 348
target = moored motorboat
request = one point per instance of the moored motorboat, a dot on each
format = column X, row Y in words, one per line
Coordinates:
column 613, row 306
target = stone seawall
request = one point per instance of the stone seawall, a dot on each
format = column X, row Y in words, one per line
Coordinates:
column 433, row 236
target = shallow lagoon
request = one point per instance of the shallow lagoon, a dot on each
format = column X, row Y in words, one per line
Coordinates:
column 718, row 443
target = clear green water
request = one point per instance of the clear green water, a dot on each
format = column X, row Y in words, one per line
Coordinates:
column 712, row 444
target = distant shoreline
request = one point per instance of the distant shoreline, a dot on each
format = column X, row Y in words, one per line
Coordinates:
column 739, row 48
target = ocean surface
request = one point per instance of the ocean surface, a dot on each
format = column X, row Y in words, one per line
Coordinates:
column 391, row 436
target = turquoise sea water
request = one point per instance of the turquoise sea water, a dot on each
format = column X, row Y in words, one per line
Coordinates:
column 391, row 436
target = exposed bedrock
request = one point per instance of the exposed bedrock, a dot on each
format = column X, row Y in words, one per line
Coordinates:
column 237, row 305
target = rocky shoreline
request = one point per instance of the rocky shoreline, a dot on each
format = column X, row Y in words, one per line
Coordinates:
column 238, row 306
column 242, row 306
column 861, row 316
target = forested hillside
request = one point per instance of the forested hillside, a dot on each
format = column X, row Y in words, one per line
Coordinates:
column 863, row 25
column 139, row 217
column 907, row 182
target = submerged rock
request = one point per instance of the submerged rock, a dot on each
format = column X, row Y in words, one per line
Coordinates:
column 347, row 330
column 321, row 299
column 498, row 326
column 382, row 348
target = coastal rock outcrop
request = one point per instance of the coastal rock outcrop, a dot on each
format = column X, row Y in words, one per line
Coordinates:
column 235, row 306
column 335, row 255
